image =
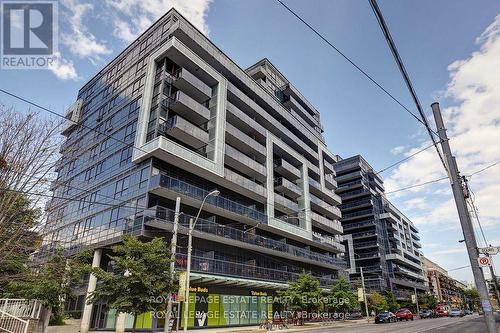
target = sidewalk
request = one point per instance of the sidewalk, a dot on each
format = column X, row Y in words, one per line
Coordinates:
column 304, row 328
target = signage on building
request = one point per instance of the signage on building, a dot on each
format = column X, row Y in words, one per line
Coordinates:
column 413, row 299
column 490, row 250
column 484, row 261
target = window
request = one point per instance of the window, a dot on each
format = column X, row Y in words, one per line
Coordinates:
column 144, row 177
column 122, row 186
column 125, row 156
column 130, row 131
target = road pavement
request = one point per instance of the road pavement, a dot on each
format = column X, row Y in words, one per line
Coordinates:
column 467, row 324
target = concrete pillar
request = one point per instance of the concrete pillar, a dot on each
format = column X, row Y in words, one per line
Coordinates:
column 120, row 322
column 87, row 310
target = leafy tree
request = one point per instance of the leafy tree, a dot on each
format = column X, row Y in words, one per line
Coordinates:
column 427, row 301
column 303, row 294
column 342, row 296
column 472, row 298
column 141, row 271
column 377, row 302
column 392, row 303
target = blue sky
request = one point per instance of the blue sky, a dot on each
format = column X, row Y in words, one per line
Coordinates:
column 357, row 116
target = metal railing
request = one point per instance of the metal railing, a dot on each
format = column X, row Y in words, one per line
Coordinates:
column 16, row 314
column 220, row 201
column 210, row 227
column 228, row 268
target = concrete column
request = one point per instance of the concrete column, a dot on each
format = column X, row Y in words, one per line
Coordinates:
column 87, row 310
column 120, row 322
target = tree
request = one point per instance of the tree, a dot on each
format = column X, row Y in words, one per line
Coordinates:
column 392, row 303
column 472, row 298
column 377, row 302
column 427, row 301
column 141, row 272
column 303, row 294
column 342, row 297
column 28, row 151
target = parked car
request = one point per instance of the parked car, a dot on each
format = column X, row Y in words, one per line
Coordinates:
column 404, row 314
column 427, row 314
column 442, row 310
column 468, row 312
column 385, row 317
column 456, row 312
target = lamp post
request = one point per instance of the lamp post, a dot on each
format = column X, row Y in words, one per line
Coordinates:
column 192, row 224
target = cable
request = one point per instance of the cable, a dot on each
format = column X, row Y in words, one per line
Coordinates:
column 406, row 158
column 417, row 185
column 404, row 73
column 456, row 269
column 483, row 169
column 352, row 62
column 476, row 214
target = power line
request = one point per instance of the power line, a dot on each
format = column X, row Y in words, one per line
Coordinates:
column 483, row 169
column 352, row 62
column 404, row 73
column 456, row 269
column 417, row 185
column 405, row 159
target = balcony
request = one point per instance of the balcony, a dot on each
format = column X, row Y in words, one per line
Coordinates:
column 245, row 183
column 356, row 204
column 208, row 227
column 404, row 271
column 243, row 121
column 364, row 245
column 349, row 176
column 328, row 167
column 328, row 240
column 285, row 205
column 184, row 80
column 291, row 103
column 239, row 161
column 364, row 234
column 330, row 182
column 285, row 186
column 315, row 187
column 351, row 185
column 245, row 271
column 326, row 224
column 184, row 131
column 324, row 208
column 358, row 225
column 362, row 213
column 165, row 185
column 245, row 143
column 284, row 168
column 187, row 107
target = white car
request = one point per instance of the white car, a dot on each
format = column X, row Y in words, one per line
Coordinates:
column 456, row 312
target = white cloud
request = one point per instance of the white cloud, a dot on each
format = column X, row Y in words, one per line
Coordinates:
column 398, row 150
column 133, row 17
column 79, row 40
column 63, row 69
column 451, row 251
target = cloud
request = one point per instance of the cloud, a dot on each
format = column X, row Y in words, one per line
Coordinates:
column 63, row 69
column 451, row 251
column 132, row 17
column 398, row 150
column 78, row 39
column 473, row 122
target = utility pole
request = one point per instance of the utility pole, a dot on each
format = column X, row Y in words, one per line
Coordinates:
column 364, row 293
column 465, row 220
column 416, row 300
column 173, row 249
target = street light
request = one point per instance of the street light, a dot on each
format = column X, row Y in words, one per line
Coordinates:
column 192, row 223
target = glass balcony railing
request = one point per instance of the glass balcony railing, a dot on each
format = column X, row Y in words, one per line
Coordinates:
column 210, row 227
column 198, row 193
column 228, row 268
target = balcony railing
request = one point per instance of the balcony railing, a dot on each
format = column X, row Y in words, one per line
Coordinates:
column 324, row 239
column 198, row 193
column 357, row 225
column 210, row 227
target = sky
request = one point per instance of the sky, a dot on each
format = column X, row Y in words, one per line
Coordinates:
column 451, row 49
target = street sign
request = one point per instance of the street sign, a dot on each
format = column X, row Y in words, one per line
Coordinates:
column 490, row 250
column 413, row 299
column 361, row 297
column 484, row 261
column 182, row 286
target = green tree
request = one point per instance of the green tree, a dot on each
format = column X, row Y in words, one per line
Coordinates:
column 377, row 302
column 427, row 301
column 392, row 303
column 342, row 297
column 303, row 294
column 141, row 272
column 472, row 298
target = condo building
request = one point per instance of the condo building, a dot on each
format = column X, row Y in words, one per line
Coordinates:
column 173, row 117
column 379, row 239
column 445, row 288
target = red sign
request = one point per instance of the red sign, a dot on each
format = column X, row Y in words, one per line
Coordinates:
column 484, row 261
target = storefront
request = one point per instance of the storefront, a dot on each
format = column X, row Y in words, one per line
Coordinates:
column 209, row 306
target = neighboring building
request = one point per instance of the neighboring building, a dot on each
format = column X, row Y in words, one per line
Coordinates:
column 378, row 236
column 444, row 287
column 193, row 121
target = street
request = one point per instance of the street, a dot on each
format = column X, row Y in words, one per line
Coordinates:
column 468, row 324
